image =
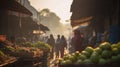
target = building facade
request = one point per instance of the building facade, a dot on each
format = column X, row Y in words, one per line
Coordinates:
column 27, row 4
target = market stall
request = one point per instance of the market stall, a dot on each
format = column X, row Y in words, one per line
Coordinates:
column 27, row 54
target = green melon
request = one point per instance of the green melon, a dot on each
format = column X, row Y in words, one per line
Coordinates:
column 87, row 54
column 105, row 46
column 118, row 57
column 102, row 61
column 68, row 62
column 83, row 57
column 73, row 58
column 79, row 62
column 87, row 61
column 115, row 51
column 114, row 46
column 106, row 54
column 77, row 54
column 114, row 58
column 118, row 43
column 94, row 57
column 66, row 56
column 89, row 49
column 98, row 50
column 63, row 62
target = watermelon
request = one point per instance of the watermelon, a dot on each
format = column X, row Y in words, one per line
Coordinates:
column 106, row 54
column 94, row 57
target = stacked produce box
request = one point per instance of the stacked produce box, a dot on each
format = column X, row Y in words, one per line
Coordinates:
column 105, row 55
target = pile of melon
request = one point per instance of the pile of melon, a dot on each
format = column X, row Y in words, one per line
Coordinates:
column 103, row 54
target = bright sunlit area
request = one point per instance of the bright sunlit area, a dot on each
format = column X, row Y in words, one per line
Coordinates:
column 60, row 7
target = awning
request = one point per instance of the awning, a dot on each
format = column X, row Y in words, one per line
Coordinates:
column 44, row 28
column 82, row 21
column 13, row 6
column 93, row 7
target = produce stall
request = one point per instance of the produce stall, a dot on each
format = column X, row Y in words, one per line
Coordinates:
column 105, row 55
column 27, row 54
column 32, row 54
column 5, row 58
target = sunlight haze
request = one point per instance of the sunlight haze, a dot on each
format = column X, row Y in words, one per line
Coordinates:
column 60, row 7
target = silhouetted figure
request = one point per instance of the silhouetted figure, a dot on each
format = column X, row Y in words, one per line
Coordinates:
column 51, row 41
column 46, row 39
column 77, row 41
column 57, row 46
column 72, row 47
column 63, row 45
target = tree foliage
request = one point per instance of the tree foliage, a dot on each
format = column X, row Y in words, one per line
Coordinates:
column 51, row 20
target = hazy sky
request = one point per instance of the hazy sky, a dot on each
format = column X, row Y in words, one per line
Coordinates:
column 60, row 7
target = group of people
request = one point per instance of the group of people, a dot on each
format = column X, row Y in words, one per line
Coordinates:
column 79, row 42
column 58, row 45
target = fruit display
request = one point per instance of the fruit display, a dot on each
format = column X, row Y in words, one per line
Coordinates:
column 105, row 53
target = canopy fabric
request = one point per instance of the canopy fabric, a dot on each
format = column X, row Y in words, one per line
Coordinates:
column 78, row 22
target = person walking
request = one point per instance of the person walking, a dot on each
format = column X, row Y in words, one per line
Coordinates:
column 57, row 46
column 51, row 41
column 63, row 45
